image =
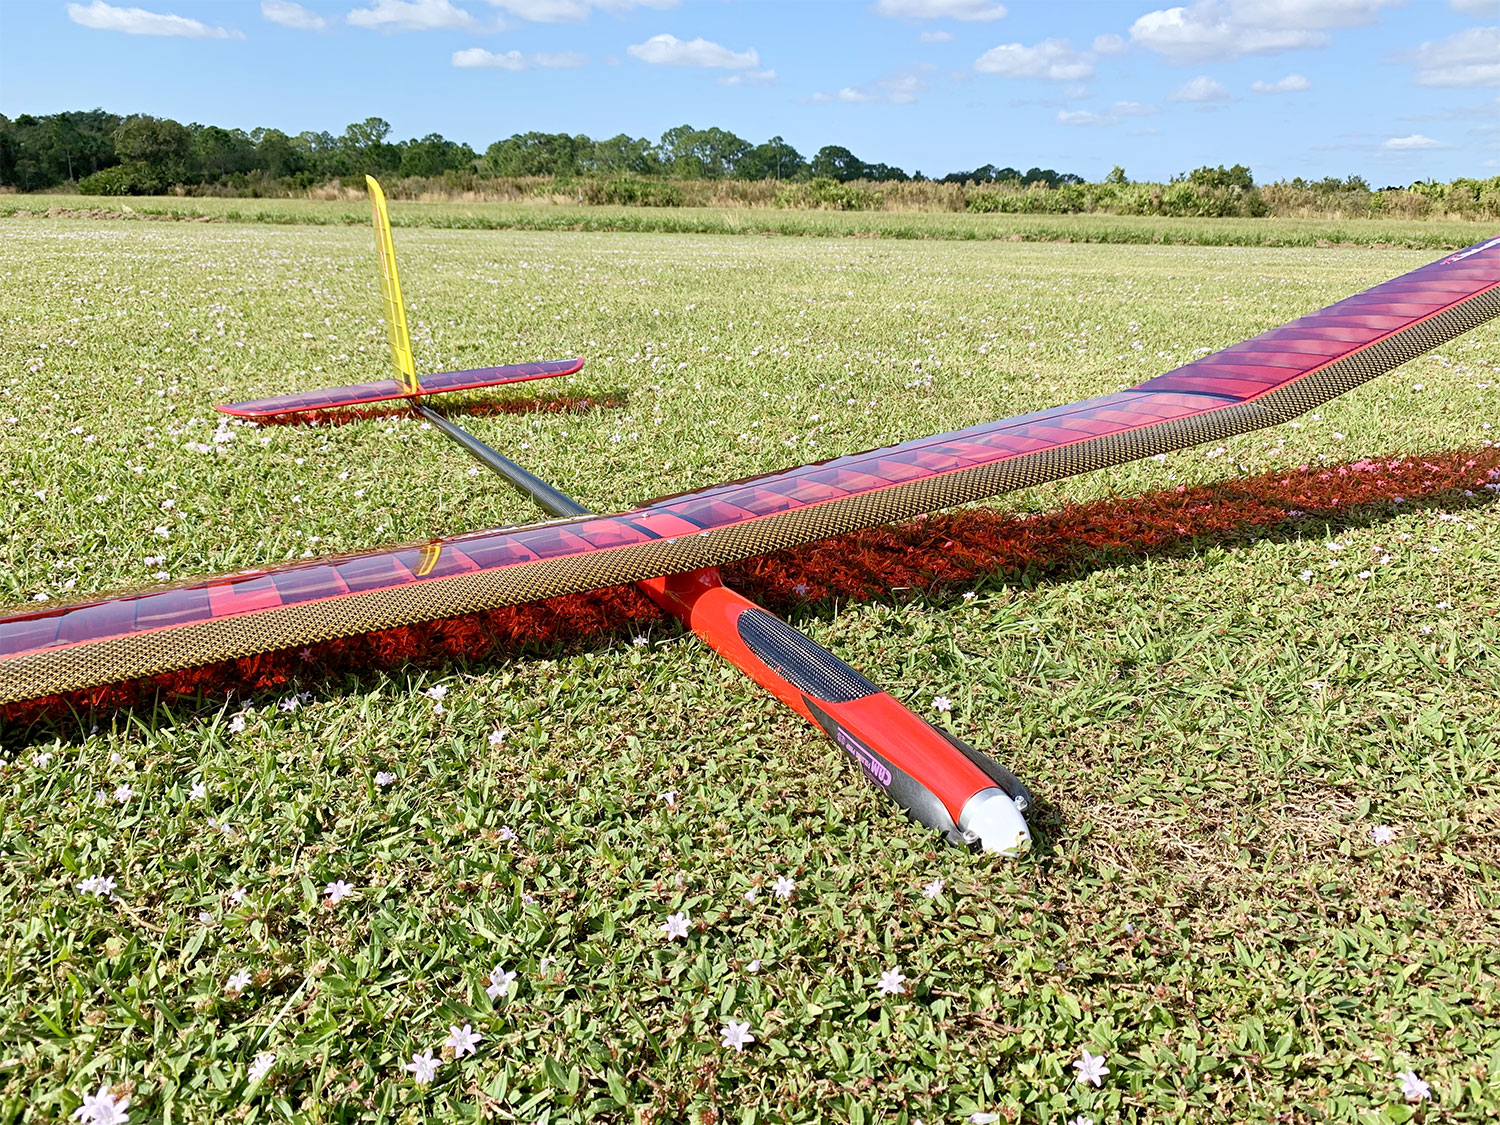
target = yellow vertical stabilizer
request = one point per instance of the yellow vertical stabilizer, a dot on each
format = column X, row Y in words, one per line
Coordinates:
column 390, row 286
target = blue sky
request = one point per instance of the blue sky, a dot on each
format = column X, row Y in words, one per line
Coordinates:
column 1391, row 90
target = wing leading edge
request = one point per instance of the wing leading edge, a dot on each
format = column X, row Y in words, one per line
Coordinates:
column 1264, row 381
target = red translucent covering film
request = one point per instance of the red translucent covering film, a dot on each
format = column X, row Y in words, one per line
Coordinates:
column 358, row 394
column 1260, row 382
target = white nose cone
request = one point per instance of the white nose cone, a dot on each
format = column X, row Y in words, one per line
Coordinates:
column 992, row 816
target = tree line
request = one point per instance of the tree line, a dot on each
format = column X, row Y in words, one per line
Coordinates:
column 109, row 154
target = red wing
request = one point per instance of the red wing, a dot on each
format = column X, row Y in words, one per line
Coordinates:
column 360, row 393
column 1274, row 377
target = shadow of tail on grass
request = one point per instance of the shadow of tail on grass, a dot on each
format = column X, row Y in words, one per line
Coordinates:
column 474, row 408
column 933, row 557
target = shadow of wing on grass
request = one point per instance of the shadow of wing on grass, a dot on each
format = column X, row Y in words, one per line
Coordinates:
column 934, row 558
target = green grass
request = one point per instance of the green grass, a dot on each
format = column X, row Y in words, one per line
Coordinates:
column 1212, row 739
column 546, row 216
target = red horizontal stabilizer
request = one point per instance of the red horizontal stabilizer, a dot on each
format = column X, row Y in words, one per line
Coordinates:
column 1262, row 382
column 361, row 393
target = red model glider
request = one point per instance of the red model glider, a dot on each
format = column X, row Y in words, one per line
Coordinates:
column 669, row 546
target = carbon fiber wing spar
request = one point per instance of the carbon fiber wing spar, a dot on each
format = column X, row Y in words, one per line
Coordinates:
column 1262, row 382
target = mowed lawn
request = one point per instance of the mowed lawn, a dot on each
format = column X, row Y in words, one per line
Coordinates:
column 1263, row 734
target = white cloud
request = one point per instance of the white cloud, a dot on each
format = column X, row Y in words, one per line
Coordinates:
column 1055, row 60
column 893, row 89
column 573, row 11
column 411, row 15
column 1479, row 9
column 749, row 78
column 1218, row 30
column 1469, row 58
column 477, row 57
column 1112, row 116
column 668, row 50
column 288, row 14
column 1416, row 142
column 1201, row 89
column 137, row 21
column 969, row 10
column 936, row 37
column 1110, row 45
column 1291, row 84
column 560, row 60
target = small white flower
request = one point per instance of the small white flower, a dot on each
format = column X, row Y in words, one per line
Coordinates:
column 338, row 891
column 506, row 833
column 423, row 1067
column 464, row 1040
column 892, row 982
column 784, row 887
column 123, row 793
column 237, row 724
column 983, row 1118
column 261, row 1066
column 205, row 917
column 969, row 595
column 1413, row 1089
column 676, row 926
column 1081, row 1120
column 800, row 589
column 639, row 641
column 736, row 1035
column 103, row 1108
column 752, row 894
column 100, row 886
column 1090, row 1068
column 437, row 692
column 1382, row 833
column 669, row 798
column 497, row 737
column 237, row 896
column 754, row 966
column 289, row 704
column 942, row 703
column 384, row 778
column 500, row 981
column 933, row 889
column 237, row 983
column 42, row 759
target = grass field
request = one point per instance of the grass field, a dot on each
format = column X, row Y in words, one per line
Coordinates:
column 544, row 215
column 1256, row 687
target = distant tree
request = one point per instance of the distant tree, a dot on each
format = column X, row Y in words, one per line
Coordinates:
column 222, row 152
column 1222, row 177
column 276, row 154
column 160, row 149
column 623, row 155
column 836, row 163
column 433, row 155
column 539, row 154
column 1116, row 176
column 365, row 147
column 884, row 173
column 694, row 154
column 984, row 174
column 774, row 160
